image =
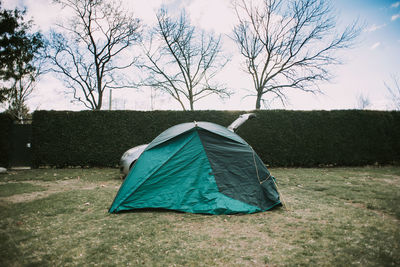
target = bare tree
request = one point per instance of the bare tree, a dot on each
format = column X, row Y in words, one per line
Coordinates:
column 288, row 44
column 394, row 91
column 88, row 52
column 20, row 92
column 363, row 101
column 182, row 60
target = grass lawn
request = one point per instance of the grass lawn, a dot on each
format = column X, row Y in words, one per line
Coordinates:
column 336, row 216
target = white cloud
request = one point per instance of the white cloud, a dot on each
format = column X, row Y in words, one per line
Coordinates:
column 212, row 15
column 375, row 45
column 146, row 10
column 395, row 5
column 43, row 12
column 374, row 27
column 396, row 16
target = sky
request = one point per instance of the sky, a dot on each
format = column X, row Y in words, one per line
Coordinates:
column 365, row 68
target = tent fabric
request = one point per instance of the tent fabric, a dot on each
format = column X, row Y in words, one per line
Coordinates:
column 199, row 168
column 184, row 127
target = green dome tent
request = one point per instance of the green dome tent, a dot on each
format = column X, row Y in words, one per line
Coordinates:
column 198, row 167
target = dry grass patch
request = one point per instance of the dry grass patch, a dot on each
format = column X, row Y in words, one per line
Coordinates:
column 340, row 216
column 47, row 189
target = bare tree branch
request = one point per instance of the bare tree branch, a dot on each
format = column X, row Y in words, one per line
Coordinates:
column 289, row 44
column 394, row 91
column 182, row 61
column 87, row 54
column 363, row 101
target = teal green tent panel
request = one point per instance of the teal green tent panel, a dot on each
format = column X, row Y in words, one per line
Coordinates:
column 170, row 133
column 183, row 181
column 147, row 164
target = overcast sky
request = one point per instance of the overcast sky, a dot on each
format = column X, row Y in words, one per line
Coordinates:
column 365, row 68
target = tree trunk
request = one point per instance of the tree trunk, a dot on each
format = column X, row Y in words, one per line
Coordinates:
column 191, row 99
column 99, row 101
column 258, row 101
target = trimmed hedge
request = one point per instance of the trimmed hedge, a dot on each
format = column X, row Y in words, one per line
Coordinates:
column 315, row 138
column 98, row 138
column 6, row 123
column 281, row 138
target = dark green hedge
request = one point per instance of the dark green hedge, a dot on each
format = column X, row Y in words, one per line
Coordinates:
column 281, row 138
column 5, row 133
column 313, row 138
column 98, row 138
